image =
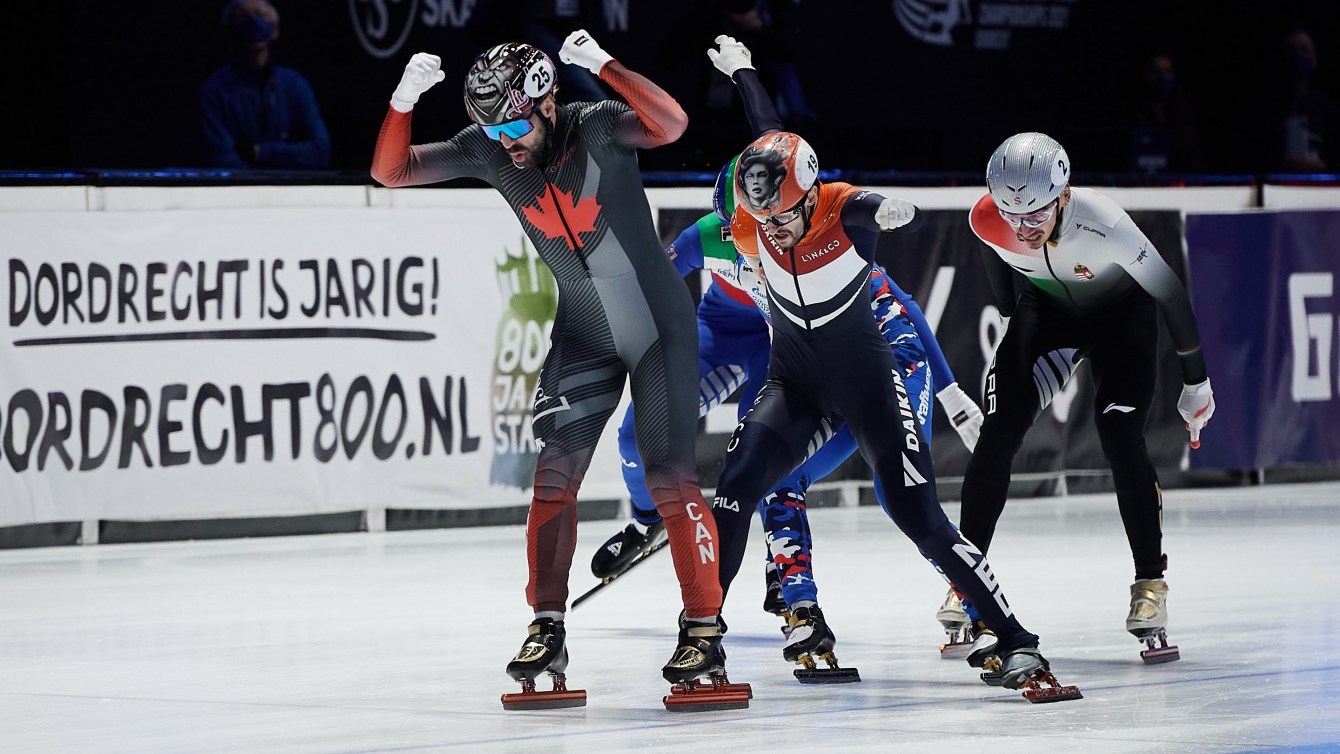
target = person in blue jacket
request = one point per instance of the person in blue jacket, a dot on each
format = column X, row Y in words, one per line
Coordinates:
column 253, row 113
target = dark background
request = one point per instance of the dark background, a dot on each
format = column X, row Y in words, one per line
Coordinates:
column 108, row 85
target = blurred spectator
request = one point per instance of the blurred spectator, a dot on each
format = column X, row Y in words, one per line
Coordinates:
column 1307, row 119
column 1164, row 137
column 253, row 113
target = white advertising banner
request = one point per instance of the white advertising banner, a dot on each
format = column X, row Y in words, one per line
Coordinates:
column 193, row 363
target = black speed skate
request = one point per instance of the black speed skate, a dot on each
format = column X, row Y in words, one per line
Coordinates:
column 700, row 654
column 811, row 637
column 619, row 551
column 544, row 651
column 1025, row 668
column 772, row 592
column 773, row 601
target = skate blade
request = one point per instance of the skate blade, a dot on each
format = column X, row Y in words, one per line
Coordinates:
column 828, row 675
column 527, row 700
column 1058, row 694
column 1160, row 655
column 992, row 678
column 1036, row 692
column 680, row 689
column 705, row 699
column 955, row 650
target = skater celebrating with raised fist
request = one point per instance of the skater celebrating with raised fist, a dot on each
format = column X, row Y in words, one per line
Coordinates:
column 1096, row 288
column 623, row 312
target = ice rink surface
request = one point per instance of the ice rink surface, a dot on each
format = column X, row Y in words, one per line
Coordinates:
column 396, row 642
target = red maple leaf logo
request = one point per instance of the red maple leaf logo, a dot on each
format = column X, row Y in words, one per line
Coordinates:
column 557, row 215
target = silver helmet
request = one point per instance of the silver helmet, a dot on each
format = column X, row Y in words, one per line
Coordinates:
column 1027, row 172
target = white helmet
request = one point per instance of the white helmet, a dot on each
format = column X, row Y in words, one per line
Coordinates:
column 1027, row 172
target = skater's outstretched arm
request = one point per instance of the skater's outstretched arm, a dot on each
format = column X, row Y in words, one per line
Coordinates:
column 735, row 60
column 656, row 118
column 395, row 162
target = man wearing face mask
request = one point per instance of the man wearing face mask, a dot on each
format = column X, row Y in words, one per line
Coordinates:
column 1309, row 126
column 1164, row 136
column 570, row 173
column 253, row 113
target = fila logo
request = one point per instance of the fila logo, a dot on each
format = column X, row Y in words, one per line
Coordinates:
column 1115, row 407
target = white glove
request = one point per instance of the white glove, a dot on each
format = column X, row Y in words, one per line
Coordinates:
column 894, row 213
column 580, row 49
column 963, row 414
column 732, row 57
column 421, row 73
column 1196, row 406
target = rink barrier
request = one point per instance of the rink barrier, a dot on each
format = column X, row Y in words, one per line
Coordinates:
column 602, row 495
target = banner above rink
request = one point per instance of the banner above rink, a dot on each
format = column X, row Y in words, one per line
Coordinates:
column 203, row 363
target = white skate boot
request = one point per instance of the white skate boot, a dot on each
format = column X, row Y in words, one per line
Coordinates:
column 1148, row 620
column 956, row 624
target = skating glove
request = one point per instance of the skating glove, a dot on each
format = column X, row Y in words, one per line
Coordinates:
column 732, row 57
column 580, row 49
column 1196, row 406
column 421, row 73
column 894, row 213
column 963, row 414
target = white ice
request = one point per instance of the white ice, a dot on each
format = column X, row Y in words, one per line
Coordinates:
column 396, row 642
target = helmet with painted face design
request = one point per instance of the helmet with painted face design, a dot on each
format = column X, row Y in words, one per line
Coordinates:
column 506, row 82
column 1027, row 172
column 774, row 173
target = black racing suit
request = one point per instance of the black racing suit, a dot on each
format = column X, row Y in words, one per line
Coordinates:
column 1095, row 291
column 831, row 365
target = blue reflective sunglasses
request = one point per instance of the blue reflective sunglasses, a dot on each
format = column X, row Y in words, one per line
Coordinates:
column 514, row 129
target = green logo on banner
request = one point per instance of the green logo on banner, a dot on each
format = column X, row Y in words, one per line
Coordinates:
column 531, row 298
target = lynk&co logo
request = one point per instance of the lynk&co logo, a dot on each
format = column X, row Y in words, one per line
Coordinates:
column 382, row 26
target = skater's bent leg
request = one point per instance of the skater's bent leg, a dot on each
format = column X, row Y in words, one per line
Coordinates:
column 551, row 526
column 1138, row 497
column 1124, row 370
column 967, row 568
column 692, row 532
column 572, row 406
column 757, row 458
column 786, row 522
column 903, row 464
column 666, row 426
column 787, row 532
column 1012, row 405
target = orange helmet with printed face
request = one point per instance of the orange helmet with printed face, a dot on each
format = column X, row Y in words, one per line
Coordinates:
column 774, row 173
